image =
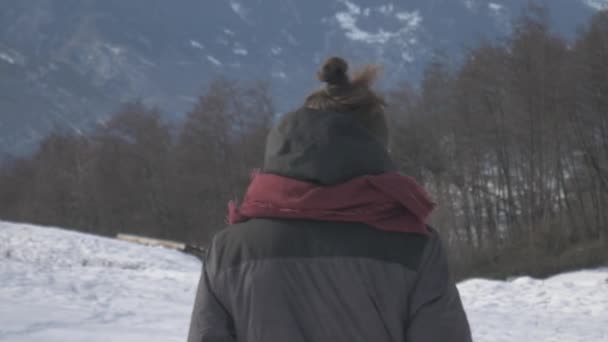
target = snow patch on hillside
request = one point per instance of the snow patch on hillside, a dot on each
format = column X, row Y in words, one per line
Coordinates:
column 598, row 5
column 348, row 22
column 214, row 60
column 240, row 51
column 239, row 10
column 5, row 57
column 411, row 19
column 195, row 44
column 495, row 7
column 12, row 57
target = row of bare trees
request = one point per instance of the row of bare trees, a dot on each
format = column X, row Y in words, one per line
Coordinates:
column 138, row 174
column 513, row 145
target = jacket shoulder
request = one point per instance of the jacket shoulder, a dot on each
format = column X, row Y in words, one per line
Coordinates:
column 260, row 239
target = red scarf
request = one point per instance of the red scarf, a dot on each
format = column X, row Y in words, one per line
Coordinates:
column 389, row 202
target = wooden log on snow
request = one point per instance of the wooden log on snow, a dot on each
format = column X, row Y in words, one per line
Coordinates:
column 196, row 251
column 146, row 241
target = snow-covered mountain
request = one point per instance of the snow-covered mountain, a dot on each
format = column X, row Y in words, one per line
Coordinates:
column 57, row 285
column 64, row 63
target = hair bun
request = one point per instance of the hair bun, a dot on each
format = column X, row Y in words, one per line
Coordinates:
column 334, row 71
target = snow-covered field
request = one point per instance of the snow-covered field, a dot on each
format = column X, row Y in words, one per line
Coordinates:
column 63, row 286
column 57, row 285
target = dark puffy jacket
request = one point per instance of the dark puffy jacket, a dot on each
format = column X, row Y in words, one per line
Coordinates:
column 303, row 280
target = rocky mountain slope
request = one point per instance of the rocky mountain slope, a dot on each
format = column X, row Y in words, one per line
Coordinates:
column 66, row 63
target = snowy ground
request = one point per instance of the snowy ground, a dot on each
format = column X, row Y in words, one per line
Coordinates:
column 570, row 307
column 63, row 286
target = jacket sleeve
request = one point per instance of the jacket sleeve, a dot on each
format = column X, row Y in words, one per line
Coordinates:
column 436, row 311
column 210, row 321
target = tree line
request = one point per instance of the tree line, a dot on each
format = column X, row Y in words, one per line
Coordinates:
column 136, row 173
column 512, row 144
